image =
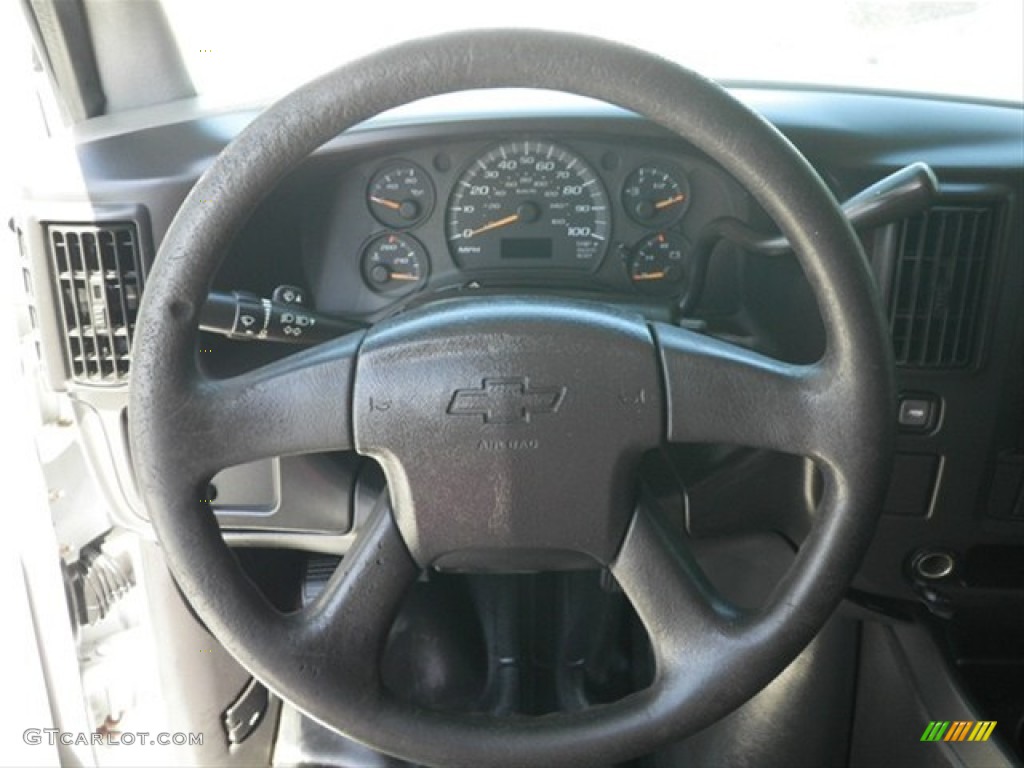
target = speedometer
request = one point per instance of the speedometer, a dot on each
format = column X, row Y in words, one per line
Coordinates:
column 528, row 203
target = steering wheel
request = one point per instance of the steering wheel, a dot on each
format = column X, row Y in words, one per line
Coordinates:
column 510, row 430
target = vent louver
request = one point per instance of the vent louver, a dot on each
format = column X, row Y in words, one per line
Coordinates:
column 939, row 274
column 99, row 283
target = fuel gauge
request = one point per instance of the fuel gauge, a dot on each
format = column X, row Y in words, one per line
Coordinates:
column 655, row 196
column 394, row 263
column 661, row 264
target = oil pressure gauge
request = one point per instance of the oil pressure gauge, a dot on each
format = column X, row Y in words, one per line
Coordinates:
column 400, row 195
column 661, row 264
column 394, row 263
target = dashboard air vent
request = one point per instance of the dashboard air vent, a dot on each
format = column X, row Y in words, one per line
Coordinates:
column 939, row 273
column 99, row 283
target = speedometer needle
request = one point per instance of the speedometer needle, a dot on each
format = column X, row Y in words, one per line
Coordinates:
column 386, row 203
column 649, row 276
column 493, row 225
column 669, row 201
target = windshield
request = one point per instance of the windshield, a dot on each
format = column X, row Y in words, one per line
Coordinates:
column 240, row 51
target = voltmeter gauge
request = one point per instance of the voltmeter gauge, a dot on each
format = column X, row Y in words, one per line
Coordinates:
column 655, row 196
column 400, row 195
column 394, row 263
column 661, row 264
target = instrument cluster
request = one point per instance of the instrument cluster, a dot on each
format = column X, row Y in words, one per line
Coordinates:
column 529, row 212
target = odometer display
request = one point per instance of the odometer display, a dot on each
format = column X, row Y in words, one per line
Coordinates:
column 526, row 247
column 528, row 201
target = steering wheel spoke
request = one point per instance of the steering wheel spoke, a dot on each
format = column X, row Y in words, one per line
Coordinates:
column 342, row 634
column 688, row 622
column 718, row 392
column 299, row 404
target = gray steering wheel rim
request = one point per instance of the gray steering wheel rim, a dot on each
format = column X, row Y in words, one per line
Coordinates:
column 166, row 384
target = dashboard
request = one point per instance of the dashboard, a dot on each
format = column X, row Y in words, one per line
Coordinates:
column 591, row 202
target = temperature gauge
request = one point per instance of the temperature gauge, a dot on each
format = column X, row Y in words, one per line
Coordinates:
column 661, row 264
column 394, row 263
column 400, row 195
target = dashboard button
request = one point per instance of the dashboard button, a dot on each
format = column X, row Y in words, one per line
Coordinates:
column 917, row 413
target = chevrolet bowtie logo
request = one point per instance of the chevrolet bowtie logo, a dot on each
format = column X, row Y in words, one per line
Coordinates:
column 506, row 401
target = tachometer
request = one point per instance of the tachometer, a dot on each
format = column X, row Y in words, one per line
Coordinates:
column 528, row 202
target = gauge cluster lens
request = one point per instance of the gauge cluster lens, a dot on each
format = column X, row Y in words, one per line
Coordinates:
column 394, row 263
column 524, row 206
column 528, row 204
column 400, row 195
column 655, row 196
